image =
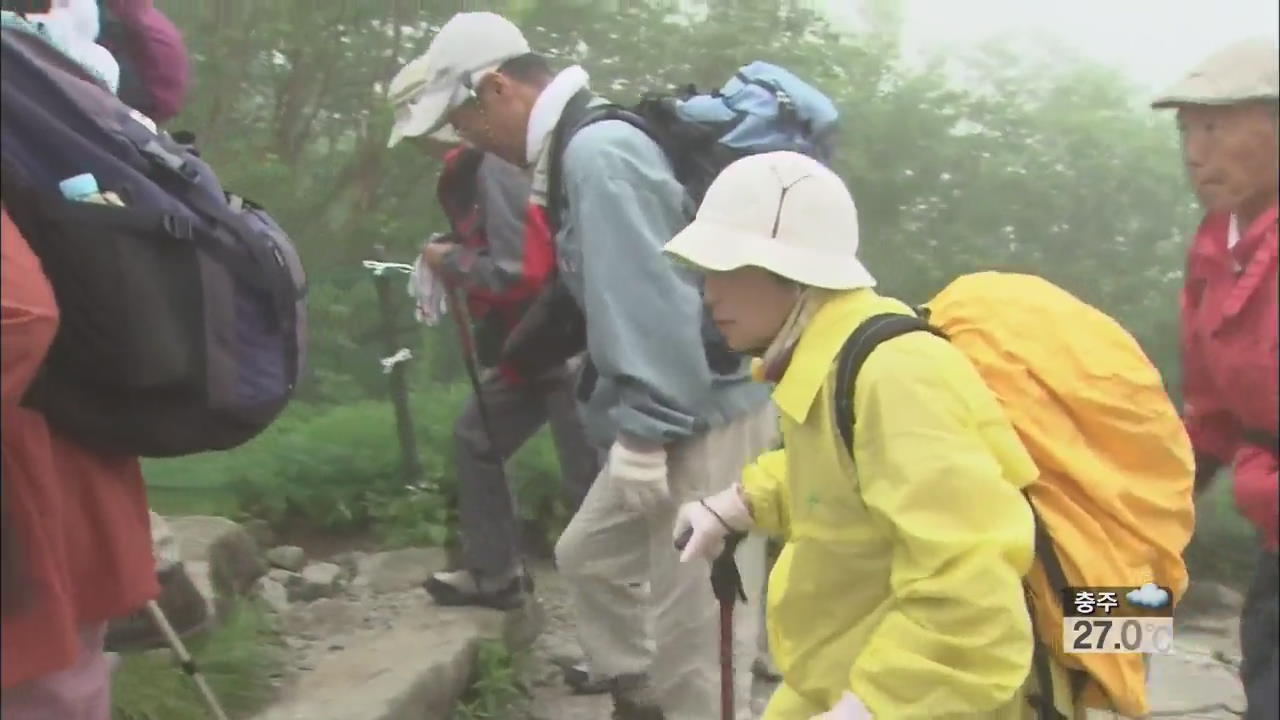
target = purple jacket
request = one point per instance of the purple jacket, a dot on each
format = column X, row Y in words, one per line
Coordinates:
column 155, row 50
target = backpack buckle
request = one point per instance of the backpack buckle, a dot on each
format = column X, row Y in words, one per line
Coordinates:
column 179, row 228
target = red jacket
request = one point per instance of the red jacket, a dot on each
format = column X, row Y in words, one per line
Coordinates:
column 153, row 48
column 1230, row 358
column 504, row 253
column 77, row 519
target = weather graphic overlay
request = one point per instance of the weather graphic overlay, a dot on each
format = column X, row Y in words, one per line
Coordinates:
column 1118, row 620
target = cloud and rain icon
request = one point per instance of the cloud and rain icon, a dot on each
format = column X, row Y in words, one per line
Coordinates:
column 1148, row 596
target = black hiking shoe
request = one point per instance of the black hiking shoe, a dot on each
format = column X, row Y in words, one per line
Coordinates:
column 764, row 669
column 182, row 604
column 577, row 675
column 460, row 589
column 626, row 709
column 633, row 699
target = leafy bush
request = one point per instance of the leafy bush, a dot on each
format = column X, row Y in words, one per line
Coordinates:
column 338, row 469
column 496, row 690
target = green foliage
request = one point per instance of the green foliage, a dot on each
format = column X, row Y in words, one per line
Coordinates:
column 327, row 466
column 1028, row 160
column 238, row 660
column 337, row 468
column 416, row 517
column 495, row 690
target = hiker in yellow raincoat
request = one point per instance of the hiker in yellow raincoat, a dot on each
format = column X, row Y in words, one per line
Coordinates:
column 899, row 592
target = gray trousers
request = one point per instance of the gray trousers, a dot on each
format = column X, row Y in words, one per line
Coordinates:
column 486, row 506
column 609, row 552
column 1259, row 625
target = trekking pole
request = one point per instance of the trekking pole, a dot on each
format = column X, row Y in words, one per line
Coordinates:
column 458, row 309
column 726, row 585
column 185, row 661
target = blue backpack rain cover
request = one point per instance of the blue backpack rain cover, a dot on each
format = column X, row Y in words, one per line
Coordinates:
column 764, row 108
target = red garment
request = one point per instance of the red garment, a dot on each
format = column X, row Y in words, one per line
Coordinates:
column 501, row 303
column 1230, row 359
column 79, row 518
column 156, row 50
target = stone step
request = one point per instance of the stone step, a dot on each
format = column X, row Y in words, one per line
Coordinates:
column 415, row 669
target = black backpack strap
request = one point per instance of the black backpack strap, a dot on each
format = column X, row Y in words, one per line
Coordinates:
column 1044, row 701
column 869, row 335
column 578, row 113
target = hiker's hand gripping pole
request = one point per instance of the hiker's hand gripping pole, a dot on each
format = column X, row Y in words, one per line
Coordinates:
column 726, row 585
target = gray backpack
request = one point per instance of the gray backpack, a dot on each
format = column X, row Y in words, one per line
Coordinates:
column 182, row 323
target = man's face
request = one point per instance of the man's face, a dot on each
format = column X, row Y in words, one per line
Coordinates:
column 496, row 118
column 1230, row 153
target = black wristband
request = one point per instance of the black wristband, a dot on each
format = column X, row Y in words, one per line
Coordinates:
column 704, row 504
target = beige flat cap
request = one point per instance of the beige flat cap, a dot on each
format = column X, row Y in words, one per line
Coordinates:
column 1242, row 71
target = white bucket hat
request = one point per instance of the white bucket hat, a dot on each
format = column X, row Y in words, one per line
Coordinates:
column 781, row 211
column 1242, row 71
column 468, row 47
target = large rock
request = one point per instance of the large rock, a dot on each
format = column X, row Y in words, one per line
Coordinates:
column 287, row 557
column 232, row 555
column 318, row 580
column 400, row 570
column 273, row 594
column 414, row 670
column 261, row 532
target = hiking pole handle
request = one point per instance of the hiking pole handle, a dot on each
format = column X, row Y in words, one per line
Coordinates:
column 726, row 583
column 683, row 541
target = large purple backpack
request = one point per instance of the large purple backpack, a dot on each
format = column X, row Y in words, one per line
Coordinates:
column 182, row 324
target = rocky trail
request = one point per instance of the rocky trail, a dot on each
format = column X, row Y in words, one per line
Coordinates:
column 364, row 642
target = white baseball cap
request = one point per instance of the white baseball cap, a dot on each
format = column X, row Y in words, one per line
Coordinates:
column 781, row 211
column 1242, row 71
column 468, row 47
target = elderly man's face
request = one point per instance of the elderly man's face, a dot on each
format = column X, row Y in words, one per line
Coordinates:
column 1230, row 154
column 495, row 120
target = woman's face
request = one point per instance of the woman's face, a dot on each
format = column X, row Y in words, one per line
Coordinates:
column 749, row 306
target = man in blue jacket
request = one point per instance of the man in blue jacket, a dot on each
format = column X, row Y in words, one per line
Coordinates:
column 673, row 427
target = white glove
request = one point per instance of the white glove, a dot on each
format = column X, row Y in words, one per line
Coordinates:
column 640, row 476
column 712, row 519
column 849, row 708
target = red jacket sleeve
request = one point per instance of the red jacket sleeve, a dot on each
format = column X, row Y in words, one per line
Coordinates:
column 1211, row 427
column 30, row 314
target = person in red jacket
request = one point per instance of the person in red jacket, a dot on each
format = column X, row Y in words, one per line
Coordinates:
column 77, row 536
column 154, row 64
column 499, row 260
column 1227, row 112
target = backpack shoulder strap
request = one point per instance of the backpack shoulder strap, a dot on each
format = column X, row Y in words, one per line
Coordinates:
column 578, row 114
column 869, row 335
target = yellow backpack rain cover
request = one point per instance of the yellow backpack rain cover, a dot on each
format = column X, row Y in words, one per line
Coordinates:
column 1116, row 467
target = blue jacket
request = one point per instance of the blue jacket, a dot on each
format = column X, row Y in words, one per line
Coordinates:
column 644, row 314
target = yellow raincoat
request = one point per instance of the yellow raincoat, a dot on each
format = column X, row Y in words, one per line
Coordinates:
column 900, row 580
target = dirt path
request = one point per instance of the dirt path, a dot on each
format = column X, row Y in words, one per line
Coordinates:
column 551, row 699
column 1197, row 681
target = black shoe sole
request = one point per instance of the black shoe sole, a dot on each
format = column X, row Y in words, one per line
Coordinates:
column 578, row 679
column 446, row 595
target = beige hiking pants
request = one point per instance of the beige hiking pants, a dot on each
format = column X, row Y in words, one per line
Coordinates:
column 608, row 553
